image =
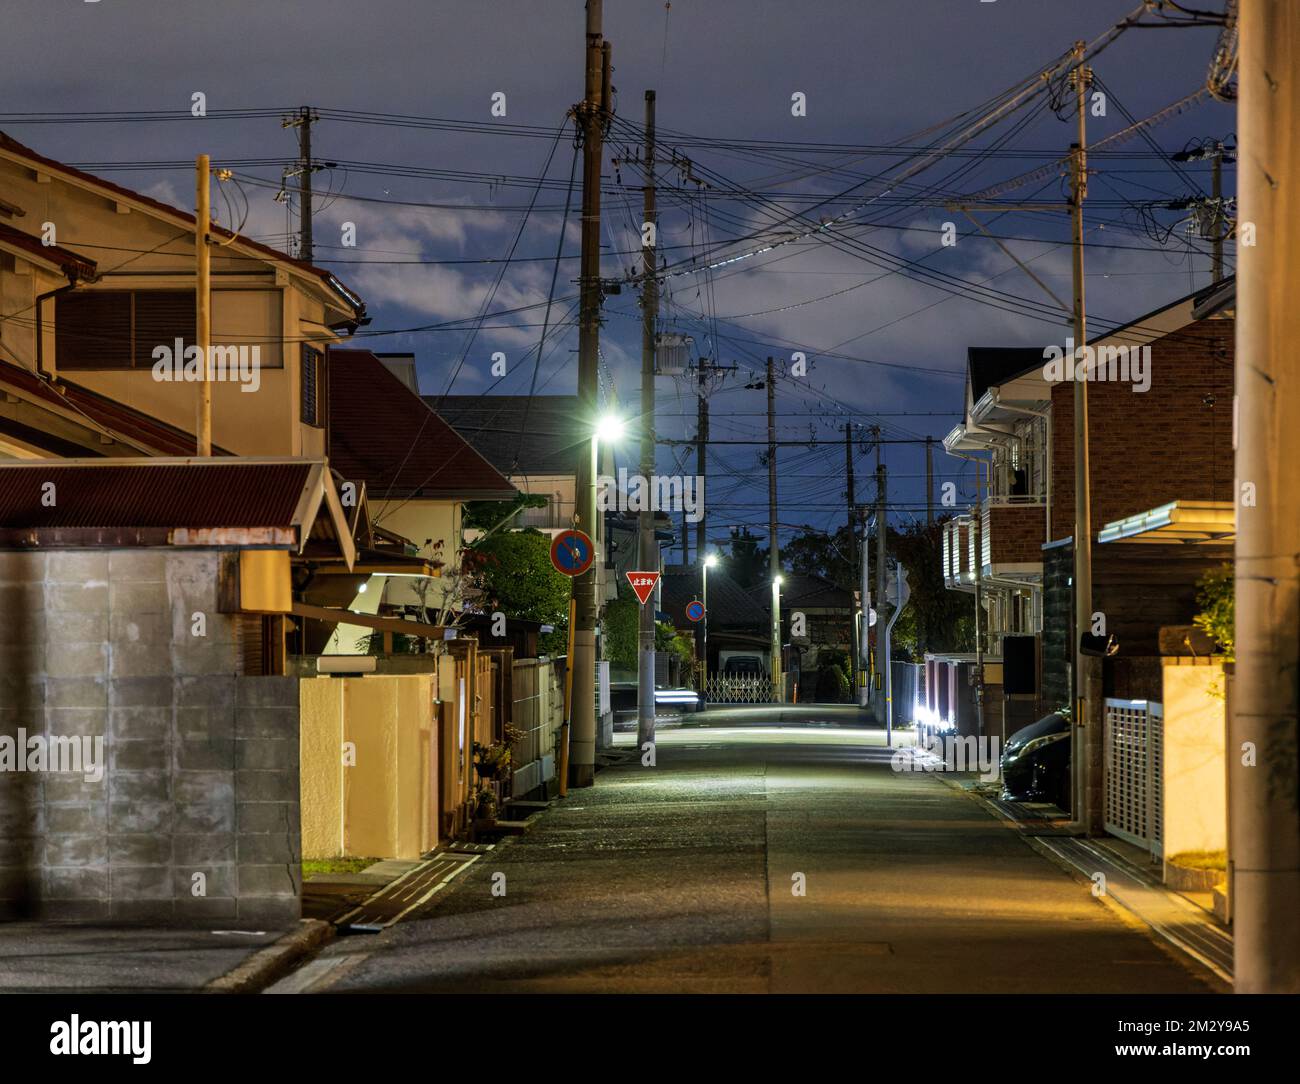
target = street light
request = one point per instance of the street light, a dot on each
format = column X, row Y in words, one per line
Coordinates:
column 710, row 561
column 610, row 429
column 775, row 668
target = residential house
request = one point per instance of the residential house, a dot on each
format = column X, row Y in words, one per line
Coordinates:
column 1161, row 468
column 99, row 309
column 416, row 472
column 535, row 441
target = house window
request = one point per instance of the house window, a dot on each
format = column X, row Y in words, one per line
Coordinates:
column 313, row 381
column 120, row 329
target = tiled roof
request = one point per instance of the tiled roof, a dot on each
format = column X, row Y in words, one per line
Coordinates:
column 133, row 426
column 519, row 434
column 801, row 589
column 69, row 262
column 729, row 605
column 385, row 435
column 151, row 493
column 12, row 146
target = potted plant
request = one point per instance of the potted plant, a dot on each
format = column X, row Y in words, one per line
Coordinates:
column 491, row 761
column 485, row 804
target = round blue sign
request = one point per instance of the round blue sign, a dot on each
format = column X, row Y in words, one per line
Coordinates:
column 695, row 610
column 572, row 552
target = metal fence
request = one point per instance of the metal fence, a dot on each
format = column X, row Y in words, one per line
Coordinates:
column 738, row 690
column 1134, row 741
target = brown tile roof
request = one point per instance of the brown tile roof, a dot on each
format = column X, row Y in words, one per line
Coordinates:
column 12, row 146
column 145, row 493
column 70, row 263
column 383, row 434
column 132, row 426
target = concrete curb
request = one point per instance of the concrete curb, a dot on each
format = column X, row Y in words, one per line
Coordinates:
column 270, row 963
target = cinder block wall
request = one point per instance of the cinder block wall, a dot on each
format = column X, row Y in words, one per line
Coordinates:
column 201, row 763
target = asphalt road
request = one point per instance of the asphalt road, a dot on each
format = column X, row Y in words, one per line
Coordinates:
column 682, row 877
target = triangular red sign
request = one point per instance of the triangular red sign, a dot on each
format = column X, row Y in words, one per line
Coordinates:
column 643, row 583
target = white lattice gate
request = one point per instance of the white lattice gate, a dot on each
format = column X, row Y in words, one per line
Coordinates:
column 738, row 690
column 1134, row 740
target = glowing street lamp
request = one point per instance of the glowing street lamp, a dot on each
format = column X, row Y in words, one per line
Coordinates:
column 710, row 561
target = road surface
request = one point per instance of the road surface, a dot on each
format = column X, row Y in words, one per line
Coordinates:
column 683, row 877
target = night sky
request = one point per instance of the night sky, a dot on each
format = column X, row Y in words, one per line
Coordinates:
column 874, row 73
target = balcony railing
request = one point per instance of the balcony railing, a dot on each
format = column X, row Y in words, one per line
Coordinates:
column 556, row 515
column 1012, row 532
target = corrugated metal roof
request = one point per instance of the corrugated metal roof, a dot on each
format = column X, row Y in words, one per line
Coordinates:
column 143, row 493
column 383, row 434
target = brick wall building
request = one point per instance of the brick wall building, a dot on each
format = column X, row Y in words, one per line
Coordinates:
column 1172, row 442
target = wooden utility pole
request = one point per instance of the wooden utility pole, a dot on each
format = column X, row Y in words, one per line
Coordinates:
column 774, row 545
column 203, row 298
column 647, row 549
column 1087, row 736
column 1263, row 735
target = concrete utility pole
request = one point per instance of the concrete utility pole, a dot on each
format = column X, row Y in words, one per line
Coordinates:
column 864, row 688
column 929, row 480
column 203, row 296
column 774, row 546
column 1216, row 194
column 853, row 553
column 303, row 121
column 1264, row 821
column 701, row 447
column 647, row 549
column 881, row 579
column 1086, row 734
column 590, row 116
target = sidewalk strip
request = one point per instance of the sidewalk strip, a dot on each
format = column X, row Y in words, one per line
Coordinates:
column 1167, row 914
column 413, row 889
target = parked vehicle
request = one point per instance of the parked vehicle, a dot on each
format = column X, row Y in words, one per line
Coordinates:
column 744, row 666
column 1036, row 762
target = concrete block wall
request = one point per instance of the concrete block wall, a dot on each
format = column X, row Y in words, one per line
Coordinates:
column 200, row 762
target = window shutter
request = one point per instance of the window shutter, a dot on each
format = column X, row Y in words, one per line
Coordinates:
column 93, row 330
column 162, row 317
column 311, row 386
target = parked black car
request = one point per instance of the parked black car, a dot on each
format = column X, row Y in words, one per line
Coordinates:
column 1036, row 762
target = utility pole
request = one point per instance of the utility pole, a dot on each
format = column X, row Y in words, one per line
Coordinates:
column 1216, row 194
column 1263, row 819
column 590, row 116
column 1086, row 739
column 701, row 447
column 853, row 553
column 774, row 546
column 203, row 297
column 929, row 480
column 882, row 530
column 303, row 121
column 647, row 550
